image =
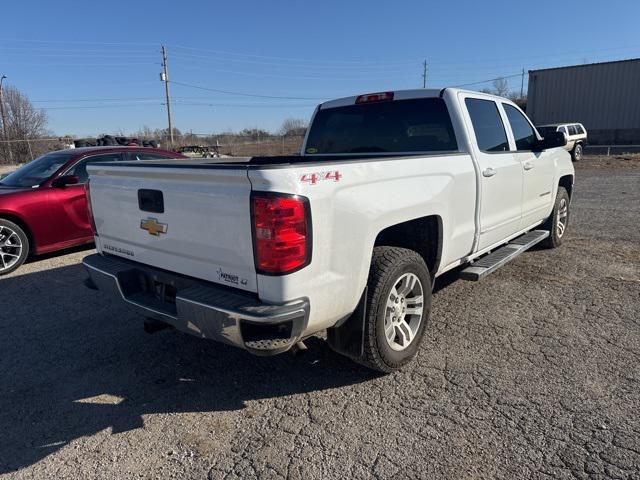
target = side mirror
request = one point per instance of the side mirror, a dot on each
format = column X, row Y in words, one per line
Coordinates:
column 553, row 140
column 65, row 180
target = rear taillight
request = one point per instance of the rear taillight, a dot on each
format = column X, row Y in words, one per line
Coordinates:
column 87, row 191
column 375, row 97
column 281, row 233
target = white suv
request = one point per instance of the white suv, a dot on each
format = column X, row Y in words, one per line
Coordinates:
column 575, row 133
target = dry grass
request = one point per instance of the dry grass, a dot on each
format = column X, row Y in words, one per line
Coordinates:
column 629, row 161
column 7, row 168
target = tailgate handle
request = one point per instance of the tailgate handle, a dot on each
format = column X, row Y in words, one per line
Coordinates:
column 150, row 201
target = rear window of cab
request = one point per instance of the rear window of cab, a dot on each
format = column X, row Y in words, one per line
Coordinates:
column 396, row 126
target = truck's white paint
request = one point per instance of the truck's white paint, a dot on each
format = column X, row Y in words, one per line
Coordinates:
column 209, row 224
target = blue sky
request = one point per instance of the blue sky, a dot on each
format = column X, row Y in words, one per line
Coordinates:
column 96, row 68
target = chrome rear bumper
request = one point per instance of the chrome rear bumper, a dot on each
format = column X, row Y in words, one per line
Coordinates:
column 200, row 308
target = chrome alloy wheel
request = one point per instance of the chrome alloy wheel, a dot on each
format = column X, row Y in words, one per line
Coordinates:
column 403, row 314
column 563, row 215
column 10, row 248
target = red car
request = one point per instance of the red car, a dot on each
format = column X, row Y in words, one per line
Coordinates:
column 43, row 206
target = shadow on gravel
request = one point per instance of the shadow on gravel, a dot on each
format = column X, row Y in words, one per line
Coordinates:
column 59, row 253
column 71, row 365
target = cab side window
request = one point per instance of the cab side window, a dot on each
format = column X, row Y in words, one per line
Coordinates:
column 487, row 125
column 80, row 168
column 523, row 132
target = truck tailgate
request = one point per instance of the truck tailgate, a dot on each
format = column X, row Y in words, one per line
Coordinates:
column 191, row 221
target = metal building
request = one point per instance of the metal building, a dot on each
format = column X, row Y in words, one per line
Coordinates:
column 604, row 97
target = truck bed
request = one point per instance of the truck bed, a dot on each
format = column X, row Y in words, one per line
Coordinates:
column 270, row 161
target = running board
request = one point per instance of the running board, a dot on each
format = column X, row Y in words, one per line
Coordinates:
column 496, row 259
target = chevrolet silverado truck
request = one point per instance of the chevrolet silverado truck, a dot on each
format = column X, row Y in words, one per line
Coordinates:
column 390, row 191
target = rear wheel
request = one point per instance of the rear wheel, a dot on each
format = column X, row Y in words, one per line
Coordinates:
column 558, row 221
column 576, row 153
column 398, row 305
column 14, row 247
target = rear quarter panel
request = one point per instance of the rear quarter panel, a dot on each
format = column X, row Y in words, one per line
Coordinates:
column 357, row 201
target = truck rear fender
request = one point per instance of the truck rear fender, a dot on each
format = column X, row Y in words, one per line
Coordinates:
column 423, row 235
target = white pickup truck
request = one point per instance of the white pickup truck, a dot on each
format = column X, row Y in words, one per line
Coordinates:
column 391, row 190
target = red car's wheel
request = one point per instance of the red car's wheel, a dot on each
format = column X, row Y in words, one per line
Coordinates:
column 14, row 246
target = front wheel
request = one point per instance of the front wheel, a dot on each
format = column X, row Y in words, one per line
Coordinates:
column 14, row 247
column 398, row 305
column 576, row 153
column 558, row 221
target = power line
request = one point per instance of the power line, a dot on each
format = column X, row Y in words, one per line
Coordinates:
column 487, row 81
column 161, row 104
column 77, row 55
column 82, row 107
column 75, row 42
column 244, row 94
column 248, row 105
column 95, row 99
column 293, row 77
column 279, row 64
column 79, row 64
column 72, row 50
column 300, row 60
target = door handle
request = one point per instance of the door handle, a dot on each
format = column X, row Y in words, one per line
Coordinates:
column 528, row 165
column 489, row 172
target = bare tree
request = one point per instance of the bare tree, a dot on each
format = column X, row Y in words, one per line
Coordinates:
column 500, row 87
column 293, row 127
column 24, row 123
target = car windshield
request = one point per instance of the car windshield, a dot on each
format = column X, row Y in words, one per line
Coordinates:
column 34, row 173
column 401, row 126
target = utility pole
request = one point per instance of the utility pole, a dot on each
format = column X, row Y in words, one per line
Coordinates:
column 424, row 74
column 4, row 121
column 164, row 76
column 522, row 85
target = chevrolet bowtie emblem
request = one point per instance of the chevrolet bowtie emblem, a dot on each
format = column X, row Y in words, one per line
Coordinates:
column 152, row 226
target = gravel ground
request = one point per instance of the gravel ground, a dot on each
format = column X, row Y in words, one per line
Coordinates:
column 532, row 373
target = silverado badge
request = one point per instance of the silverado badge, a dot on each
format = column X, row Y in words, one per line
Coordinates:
column 154, row 227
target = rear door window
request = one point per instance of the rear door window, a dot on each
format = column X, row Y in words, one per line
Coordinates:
column 397, row 126
column 487, row 125
column 523, row 132
column 572, row 130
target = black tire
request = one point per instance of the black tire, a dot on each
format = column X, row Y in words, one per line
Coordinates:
column 388, row 265
column 5, row 226
column 556, row 234
column 577, row 152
